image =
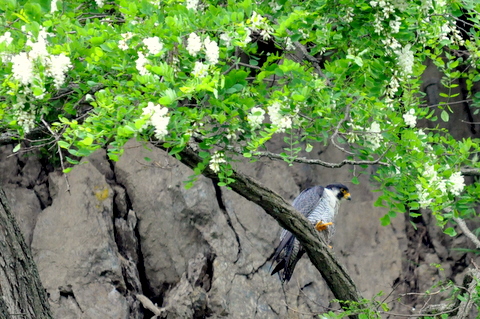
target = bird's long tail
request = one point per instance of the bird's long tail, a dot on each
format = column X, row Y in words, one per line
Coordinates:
column 286, row 257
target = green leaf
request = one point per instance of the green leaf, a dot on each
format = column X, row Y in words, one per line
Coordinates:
column 308, row 148
column 355, row 180
column 67, row 170
column 63, row 144
column 385, row 220
column 204, row 154
column 16, row 148
column 445, row 117
column 87, row 141
column 71, row 160
column 450, row 231
column 8, row 5
column 147, row 159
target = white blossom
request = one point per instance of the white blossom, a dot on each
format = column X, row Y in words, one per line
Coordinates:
column 226, row 38
column 22, row 68
column 53, row 6
column 348, row 17
column 38, row 49
column 405, row 60
column 7, row 38
column 140, row 64
column 200, row 70
column 58, row 65
column 373, row 135
column 194, row 44
column 122, row 44
column 279, row 120
column 395, row 25
column 158, row 118
column 99, row 3
column 259, row 24
column 154, row 45
column 191, row 4
column 211, row 50
column 424, row 199
column 25, row 120
column 456, row 183
column 256, row 117
column 247, row 39
column 215, row 161
column 410, row 118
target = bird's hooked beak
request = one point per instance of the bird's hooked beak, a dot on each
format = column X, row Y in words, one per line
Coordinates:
column 347, row 196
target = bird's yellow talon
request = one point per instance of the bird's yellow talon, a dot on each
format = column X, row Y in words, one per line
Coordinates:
column 320, row 226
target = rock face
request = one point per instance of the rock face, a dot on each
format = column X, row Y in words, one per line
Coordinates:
column 131, row 228
column 75, row 249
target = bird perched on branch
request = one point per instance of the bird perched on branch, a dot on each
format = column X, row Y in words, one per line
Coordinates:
column 320, row 205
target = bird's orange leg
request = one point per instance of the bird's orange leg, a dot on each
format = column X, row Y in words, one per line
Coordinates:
column 320, row 226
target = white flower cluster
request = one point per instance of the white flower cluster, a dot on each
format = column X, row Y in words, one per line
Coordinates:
column 454, row 185
column 122, row 44
column 25, row 120
column 194, row 46
column 348, row 17
column 385, row 10
column 450, row 32
column 256, row 117
column 373, row 135
column 215, row 161
column 200, row 70
column 24, row 64
column 282, row 122
column 140, row 64
column 154, row 45
column 191, row 4
column 99, row 3
column 260, row 24
column 6, row 38
column 157, row 118
column 57, row 67
column 53, row 6
column 410, row 118
column 405, row 60
column 22, row 68
column 211, row 51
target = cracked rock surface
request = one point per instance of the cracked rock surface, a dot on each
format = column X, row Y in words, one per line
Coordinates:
column 131, row 228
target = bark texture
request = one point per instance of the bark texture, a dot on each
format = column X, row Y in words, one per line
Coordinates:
column 21, row 292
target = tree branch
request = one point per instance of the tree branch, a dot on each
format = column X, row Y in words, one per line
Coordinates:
column 470, row 171
column 335, row 276
column 305, row 160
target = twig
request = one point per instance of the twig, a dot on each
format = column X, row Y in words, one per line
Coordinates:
column 470, row 171
column 466, row 305
column 304, row 160
column 418, row 314
column 148, row 304
column 334, row 135
column 463, row 226
column 57, row 138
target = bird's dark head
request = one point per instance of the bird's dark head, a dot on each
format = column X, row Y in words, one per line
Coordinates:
column 342, row 191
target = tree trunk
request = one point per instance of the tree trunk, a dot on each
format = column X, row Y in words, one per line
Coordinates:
column 21, row 292
column 337, row 279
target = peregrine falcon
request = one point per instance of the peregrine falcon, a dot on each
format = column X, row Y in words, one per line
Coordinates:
column 320, row 205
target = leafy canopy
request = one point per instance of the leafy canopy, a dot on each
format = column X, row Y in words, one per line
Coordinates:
column 230, row 75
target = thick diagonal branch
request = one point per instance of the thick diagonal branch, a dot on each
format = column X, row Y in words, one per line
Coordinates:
column 335, row 276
